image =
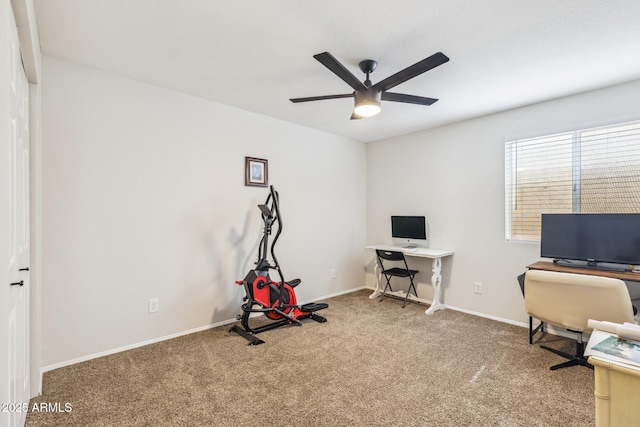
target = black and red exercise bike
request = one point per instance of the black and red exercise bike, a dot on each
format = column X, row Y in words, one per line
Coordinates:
column 275, row 299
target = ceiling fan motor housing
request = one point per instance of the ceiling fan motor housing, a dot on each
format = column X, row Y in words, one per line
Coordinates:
column 367, row 102
column 370, row 95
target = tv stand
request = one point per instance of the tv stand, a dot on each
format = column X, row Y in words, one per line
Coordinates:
column 554, row 266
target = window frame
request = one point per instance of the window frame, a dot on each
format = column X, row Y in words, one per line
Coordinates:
column 512, row 154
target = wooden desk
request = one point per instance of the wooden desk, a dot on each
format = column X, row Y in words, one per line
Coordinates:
column 436, row 277
column 550, row 266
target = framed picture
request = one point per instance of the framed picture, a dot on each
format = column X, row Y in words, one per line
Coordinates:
column 256, row 172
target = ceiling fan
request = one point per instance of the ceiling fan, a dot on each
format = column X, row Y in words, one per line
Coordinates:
column 368, row 96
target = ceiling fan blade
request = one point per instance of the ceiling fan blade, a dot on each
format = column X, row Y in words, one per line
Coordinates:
column 320, row 98
column 412, row 71
column 326, row 59
column 409, row 99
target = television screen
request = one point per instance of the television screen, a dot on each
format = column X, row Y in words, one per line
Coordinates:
column 605, row 238
column 408, row 227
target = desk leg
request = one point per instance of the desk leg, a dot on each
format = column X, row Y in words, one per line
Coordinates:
column 376, row 292
column 436, row 280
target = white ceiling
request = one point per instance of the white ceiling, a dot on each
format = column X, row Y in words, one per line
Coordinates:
column 256, row 54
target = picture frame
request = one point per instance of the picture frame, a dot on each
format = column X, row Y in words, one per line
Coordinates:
column 256, row 172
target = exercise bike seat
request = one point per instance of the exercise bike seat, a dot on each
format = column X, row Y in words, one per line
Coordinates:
column 293, row 283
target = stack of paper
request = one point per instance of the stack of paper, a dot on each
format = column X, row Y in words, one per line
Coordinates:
column 615, row 341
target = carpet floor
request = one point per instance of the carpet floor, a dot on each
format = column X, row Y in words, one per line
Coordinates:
column 371, row 364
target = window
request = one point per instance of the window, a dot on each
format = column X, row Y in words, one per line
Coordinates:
column 593, row 170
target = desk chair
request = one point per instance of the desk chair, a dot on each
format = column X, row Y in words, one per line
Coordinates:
column 569, row 300
column 388, row 273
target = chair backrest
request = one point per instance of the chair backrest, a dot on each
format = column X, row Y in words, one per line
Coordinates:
column 570, row 300
column 390, row 255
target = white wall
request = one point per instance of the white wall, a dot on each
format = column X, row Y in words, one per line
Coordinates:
column 455, row 176
column 144, row 196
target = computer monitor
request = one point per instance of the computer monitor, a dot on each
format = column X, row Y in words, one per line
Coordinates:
column 596, row 238
column 410, row 231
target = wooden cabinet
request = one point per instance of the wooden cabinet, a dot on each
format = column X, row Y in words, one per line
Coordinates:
column 617, row 393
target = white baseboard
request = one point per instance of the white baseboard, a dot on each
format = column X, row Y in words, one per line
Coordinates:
column 132, row 346
column 489, row 316
column 550, row 328
column 337, row 294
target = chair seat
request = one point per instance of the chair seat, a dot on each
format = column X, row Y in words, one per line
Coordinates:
column 400, row 272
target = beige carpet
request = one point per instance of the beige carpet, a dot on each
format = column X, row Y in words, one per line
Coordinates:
column 370, row 364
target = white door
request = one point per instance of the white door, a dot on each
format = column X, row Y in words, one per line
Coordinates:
column 19, row 255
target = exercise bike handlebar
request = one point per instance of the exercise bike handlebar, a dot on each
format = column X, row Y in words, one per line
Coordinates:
column 276, row 205
column 270, row 215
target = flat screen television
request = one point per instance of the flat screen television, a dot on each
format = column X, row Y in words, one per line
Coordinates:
column 409, row 230
column 594, row 238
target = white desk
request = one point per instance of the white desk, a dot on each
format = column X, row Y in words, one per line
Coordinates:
column 436, row 277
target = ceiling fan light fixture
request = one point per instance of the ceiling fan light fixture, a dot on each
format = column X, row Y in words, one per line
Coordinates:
column 367, row 108
column 367, row 102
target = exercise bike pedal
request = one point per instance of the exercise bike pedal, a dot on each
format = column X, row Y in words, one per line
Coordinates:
column 313, row 306
column 317, row 318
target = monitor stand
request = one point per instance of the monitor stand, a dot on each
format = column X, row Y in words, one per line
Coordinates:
column 410, row 243
column 588, row 264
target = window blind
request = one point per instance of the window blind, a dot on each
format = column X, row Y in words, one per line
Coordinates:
column 594, row 170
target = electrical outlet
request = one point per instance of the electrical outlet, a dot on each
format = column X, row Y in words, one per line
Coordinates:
column 332, row 273
column 154, row 305
column 477, row 288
